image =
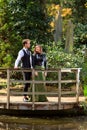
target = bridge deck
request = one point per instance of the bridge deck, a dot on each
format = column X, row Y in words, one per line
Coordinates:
column 16, row 102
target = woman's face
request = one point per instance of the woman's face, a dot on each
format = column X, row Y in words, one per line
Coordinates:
column 38, row 49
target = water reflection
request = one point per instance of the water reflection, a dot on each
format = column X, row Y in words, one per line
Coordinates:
column 75, row 124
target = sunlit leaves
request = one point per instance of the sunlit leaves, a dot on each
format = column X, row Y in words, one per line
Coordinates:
column 53, row 10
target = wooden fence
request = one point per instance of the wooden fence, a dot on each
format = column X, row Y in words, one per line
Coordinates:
column 59, row 81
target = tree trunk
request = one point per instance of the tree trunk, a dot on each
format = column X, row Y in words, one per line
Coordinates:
column 58, row 27
column 69, row 37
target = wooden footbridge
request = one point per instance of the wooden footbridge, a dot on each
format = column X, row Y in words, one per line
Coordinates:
column 56, row 99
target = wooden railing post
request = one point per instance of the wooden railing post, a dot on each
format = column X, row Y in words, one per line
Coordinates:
column 59, row 89
column 59, row 81
column 8, row 88
column 33, row 89
column 77, row 84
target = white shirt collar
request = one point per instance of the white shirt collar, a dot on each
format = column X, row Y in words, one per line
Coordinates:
column 25, row 48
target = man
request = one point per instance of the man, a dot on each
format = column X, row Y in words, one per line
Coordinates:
column 25, row 57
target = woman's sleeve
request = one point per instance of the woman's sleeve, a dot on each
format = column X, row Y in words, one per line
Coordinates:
column 45, row 61
column 33, row 61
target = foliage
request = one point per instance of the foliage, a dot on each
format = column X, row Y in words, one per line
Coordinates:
column 18, row 20
column 84, row 70
column 79, row 17
column 80, row 35
column 53, row 12
column 77, row 12
column 80, row 11
column 30, row 19
column 9, row 40
column 57, row 58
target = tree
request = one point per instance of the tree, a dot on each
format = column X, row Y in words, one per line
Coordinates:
column 19, row 20
column 80, row 11
column 8, row 36
column 58, row 27
column 30, row 19
column 69, row 37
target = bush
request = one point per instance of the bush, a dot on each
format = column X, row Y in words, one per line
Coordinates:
column 80, row 35
column 58, row 58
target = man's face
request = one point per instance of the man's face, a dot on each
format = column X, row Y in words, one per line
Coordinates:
column 27, row 45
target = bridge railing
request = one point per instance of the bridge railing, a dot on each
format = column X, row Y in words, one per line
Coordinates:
column 58, row 81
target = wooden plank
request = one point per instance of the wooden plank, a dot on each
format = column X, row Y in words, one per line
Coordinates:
column 68, row 92
column 36, row 93
column 54, row 99
column 20, row 81
column 66, row 70
column 49, row 69
column 31, row 103
column 42, row 93
column 36, row 103
column 20, row 70
column 45, row 81
column 71, row 70
column 30, row 81
column 68, row 81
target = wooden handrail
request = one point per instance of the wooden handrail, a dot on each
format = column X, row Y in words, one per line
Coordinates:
column 49, row 69
column 59, row 81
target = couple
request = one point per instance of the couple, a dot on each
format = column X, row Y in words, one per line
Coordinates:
column 29, row 60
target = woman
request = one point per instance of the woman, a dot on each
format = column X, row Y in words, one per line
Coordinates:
column 39, row 63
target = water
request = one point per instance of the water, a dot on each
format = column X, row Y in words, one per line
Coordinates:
column 14, row 123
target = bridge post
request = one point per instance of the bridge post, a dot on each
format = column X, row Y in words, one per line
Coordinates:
column 8, row 88
column 77, row 84
column 59, row 88
column 33, row 89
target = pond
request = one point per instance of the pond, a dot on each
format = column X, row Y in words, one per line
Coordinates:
column 15, row 123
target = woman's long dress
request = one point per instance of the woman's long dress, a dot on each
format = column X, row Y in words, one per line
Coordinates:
column 39, row 63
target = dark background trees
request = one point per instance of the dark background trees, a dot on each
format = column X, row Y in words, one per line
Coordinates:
column 31, row 19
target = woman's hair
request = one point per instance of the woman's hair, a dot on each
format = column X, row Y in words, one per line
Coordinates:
column 25, row 41
column 39, row 47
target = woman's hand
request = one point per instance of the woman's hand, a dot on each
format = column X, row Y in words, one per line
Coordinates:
column 36, row 73
column 45, row 73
